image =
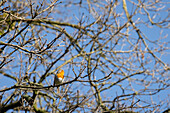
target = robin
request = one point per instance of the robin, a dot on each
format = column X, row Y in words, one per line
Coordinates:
column 58, row 79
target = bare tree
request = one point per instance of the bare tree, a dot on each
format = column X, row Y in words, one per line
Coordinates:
column 114, row 55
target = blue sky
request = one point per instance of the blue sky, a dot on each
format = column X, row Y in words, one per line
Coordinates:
column 74, row 13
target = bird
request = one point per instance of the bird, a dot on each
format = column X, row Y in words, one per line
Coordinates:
column 58, row 78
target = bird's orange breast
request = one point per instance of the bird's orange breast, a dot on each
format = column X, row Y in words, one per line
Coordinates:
column 61, row 74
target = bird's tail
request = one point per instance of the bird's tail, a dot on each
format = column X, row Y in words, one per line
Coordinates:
column 58, row 90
